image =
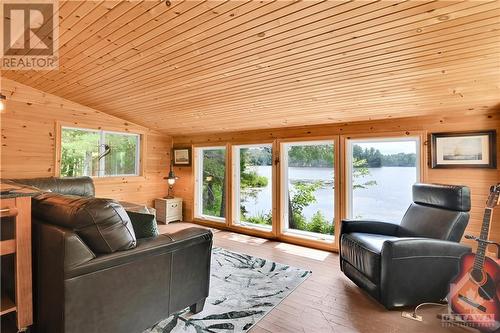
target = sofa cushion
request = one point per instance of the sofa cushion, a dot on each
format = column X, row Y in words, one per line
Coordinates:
column 102, row 224
column 82, row 186
column 362, row 251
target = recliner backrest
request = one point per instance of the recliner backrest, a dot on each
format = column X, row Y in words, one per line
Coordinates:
column 438, row 211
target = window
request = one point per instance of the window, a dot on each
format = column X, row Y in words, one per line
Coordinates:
column 98, row 153
column 210, row 183
column 308, row 174
column 381, row 173
column 253, row 185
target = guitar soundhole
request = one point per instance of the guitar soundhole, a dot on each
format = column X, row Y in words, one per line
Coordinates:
column 477, row 275
column 485, row 282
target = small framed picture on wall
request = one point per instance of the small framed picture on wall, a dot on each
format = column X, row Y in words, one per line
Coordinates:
column 464, row 149
column 182, row 156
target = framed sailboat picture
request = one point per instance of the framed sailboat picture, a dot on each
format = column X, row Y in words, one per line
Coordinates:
column 464, row 149
column 182, row 156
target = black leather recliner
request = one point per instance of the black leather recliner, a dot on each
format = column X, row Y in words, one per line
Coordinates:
column 412, row 262
column 92, row 275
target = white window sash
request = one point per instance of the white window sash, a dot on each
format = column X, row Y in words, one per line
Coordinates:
column 349, row 161
column 102, row 140
column 198, row 158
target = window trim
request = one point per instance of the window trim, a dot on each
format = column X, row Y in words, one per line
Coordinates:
column 340, row 182
column 381, row 137
column 283, row 193
column 236, row 189
column 139, row 167
column 137, row 154
column 198, row 174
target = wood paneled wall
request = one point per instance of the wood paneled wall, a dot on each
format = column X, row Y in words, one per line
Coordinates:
column 478, row 180
column 233, row 65
column 28, row 141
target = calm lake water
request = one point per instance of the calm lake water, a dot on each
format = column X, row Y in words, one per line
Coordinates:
column 388, row 200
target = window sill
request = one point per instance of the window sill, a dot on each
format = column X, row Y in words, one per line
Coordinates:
column 327, row 239
column 210, row 219
column 287, row 238
column 252, row 226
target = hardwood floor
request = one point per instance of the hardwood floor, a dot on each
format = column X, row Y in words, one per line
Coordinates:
column 327, row 301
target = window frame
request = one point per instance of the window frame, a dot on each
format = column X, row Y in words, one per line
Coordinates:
column 137, row 153
column 102, row 139
column 340, row 194
column 235, row 184
column 198, row 194
column 348, row 143
column 304, row 237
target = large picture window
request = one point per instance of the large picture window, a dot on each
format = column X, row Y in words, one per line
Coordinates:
column 253, row 185
column 381, row 173
column 98, row 153
column 303, row 186
column 308, row 181
column 210, row 188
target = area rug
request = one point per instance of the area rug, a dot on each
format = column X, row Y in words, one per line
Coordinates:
column 243, row 289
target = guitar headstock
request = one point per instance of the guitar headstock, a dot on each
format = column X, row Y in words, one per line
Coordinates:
column 494, row 197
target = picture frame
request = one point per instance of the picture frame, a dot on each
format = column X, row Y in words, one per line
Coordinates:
column 474, row 149
column 182, row 156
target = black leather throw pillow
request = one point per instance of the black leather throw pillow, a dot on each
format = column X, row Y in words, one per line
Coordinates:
column 144, row 224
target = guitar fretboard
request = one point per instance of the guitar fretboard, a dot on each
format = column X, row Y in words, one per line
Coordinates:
column 481, row 249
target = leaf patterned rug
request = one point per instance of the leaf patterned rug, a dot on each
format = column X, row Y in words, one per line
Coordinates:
column 243, row 289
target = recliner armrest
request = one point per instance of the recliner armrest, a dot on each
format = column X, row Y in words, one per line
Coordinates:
column 417, row 270
column 370, row 227
column 422, row 247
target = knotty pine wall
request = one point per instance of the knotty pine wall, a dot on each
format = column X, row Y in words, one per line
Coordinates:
column 29, row 142
column 478, row 180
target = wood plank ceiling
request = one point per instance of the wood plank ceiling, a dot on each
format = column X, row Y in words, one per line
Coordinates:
column 186, row 67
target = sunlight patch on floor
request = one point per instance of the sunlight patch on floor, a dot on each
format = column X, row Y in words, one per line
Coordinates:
column 245, row 239
column 303, row 251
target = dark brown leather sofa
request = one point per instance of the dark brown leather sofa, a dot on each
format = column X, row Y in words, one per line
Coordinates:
column 91, row 274
column 412, row 262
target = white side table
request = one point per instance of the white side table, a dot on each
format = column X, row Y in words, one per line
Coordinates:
column 168, row 210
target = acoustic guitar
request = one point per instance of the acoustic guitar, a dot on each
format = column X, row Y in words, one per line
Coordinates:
column 474, row 293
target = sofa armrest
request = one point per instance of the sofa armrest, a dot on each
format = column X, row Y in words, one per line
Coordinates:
column 417, row 270
column 164, row 243
column 55, row 249
column 369, row 227
column 140, row 286
column 51, row 239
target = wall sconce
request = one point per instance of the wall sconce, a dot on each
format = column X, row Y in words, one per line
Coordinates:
column 2, row 102
column 171, row 179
